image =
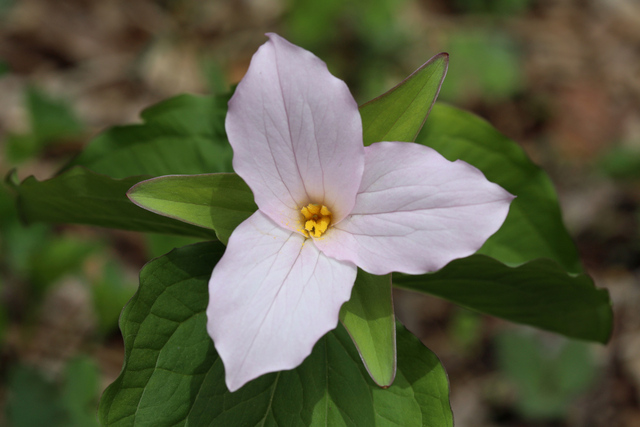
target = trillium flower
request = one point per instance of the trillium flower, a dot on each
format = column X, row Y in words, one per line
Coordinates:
column 327, row 205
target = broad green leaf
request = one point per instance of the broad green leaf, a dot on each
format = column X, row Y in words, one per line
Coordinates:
column 539, row 293
column 369, row 319
column 172, row 375
column 80, row 196
column 182, row 135
column 398, row 115
column 534, row 227
column 216, row 201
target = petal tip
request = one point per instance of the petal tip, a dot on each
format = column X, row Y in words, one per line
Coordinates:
column 234, row 384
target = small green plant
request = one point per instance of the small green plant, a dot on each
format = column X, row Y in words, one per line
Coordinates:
column 308, row 210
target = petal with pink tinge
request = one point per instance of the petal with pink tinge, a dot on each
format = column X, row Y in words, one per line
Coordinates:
column 272, row 296
column 296, row 134
column 416, row 211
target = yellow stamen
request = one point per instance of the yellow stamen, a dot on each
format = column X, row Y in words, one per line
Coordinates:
column 316, row 219
column 306, row 213
column 314, row 209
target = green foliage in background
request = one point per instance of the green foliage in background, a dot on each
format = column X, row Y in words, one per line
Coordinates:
column 315, row 25
column 485, row 65
column 621, row 163
column 547, row 375
column 4, row 67
column 35, row 400
column 111, row 290
column 493, row 7
column 51, row 121
column 362, row 41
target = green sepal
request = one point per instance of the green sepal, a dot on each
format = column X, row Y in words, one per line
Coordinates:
column 218, row 202
column 400, row 113
column 369, row 318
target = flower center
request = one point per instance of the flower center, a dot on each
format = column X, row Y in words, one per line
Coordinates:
column 317, row 219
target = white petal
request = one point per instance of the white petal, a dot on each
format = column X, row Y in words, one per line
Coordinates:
column 296, row 134
column 416, row 211
column 272, row 296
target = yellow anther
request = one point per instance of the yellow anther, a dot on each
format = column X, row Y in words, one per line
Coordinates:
column 321, row 226
column 306, row 213
column 323, row 223
column 316, row 219
column 315, row 209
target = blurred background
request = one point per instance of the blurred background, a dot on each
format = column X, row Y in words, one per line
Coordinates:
column 560, row 77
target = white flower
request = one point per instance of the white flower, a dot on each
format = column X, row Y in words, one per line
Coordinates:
column 327, row 205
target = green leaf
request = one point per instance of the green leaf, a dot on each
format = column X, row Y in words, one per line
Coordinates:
column 21, row 147
column 398, row 115
column 111, row 290
column 485, row 64
column 159, row 244
column 539, row 293
column 80, row 392
column 369, row 319
column 621, row 163
column 216, row 201
column 534, row 227
column 32, row 399
column 57, row 257
column 80, row 196
column 495, row 7
column 182, row 135
column 5, row 7
column 548, row 375
column 173, row 377
column 314, row 24
column 51, row 119
column 18, row 244
column 4, row 67
column 35, row 400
